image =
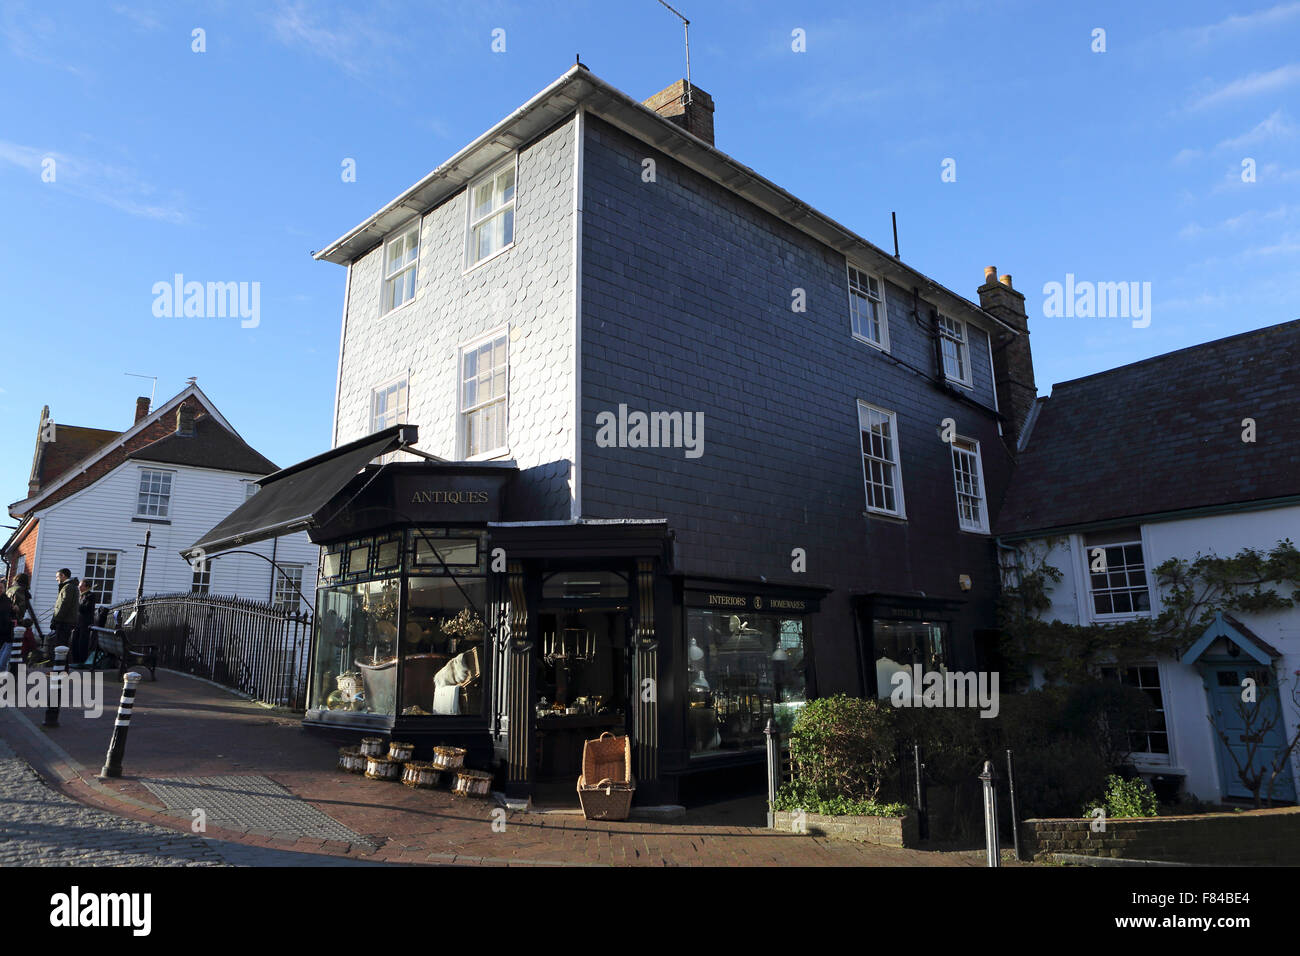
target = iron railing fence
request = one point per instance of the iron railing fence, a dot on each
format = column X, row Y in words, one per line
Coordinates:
column 254, row 648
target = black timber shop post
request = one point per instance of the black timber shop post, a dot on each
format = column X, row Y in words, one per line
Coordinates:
column 646, row 683
column 519, row 689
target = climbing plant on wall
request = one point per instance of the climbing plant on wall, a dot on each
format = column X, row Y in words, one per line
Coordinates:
column 1191, row 593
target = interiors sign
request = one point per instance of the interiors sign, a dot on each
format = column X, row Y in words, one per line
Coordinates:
column 750, row 602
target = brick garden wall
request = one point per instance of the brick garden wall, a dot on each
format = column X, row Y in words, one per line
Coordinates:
column 1251, row 837
column 883, row 831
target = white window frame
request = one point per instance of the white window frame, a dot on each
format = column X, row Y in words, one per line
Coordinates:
column 896, row 465
column 850, row 269
column 982, row 526
column 470, row 222
column 963, row 348
column 502, row 332
column 85, row 559
column 201, row 577
column 292, row 599
column 1145, row 759
column 386, row 278
column 1086, row 592
column 250, row 488
column 402, row 410
column 139, row 490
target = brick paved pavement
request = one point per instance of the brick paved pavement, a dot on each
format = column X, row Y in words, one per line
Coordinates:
column 188, row 728
column 41, row 827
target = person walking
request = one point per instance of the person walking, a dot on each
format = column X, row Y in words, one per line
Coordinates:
column 85, row 618
column 65, row 614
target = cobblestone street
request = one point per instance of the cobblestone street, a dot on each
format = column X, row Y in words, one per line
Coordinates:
column 40, row 827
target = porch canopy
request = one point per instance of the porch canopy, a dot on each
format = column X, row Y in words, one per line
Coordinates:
column 296, row 498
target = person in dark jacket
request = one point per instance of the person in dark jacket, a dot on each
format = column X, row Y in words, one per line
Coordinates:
column 20, row 596
column 65, row 614
column 85, row 619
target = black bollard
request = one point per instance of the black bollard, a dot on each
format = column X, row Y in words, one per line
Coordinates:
column 922, row 810
column 57, row 678
column 117, row 746
column 1015, row 811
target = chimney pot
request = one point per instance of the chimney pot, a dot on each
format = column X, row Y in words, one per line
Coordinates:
column 141, row 408
column 1006, row 280
column 990, row 273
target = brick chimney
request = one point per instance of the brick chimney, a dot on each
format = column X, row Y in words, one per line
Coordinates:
column 185, row 420
column 141, row 408
column 692, row 111
column 1013, row 363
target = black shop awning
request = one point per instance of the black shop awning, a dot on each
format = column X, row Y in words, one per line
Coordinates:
column 296, row 498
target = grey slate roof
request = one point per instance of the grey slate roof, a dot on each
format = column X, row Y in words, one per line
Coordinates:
column 211, row 446
column 1164, row 434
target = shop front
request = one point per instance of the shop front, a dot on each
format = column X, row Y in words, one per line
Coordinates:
column 444, row 618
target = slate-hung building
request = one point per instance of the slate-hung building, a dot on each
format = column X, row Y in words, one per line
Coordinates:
column 1166, row 474
column 798, row 528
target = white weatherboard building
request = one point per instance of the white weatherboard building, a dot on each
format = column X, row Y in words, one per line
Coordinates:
column 176, row 472
column 1194, row 452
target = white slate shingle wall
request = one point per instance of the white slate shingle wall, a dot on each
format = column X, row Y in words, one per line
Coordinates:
column 529, row 287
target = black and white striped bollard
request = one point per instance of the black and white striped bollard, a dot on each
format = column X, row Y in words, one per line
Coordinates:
column 117, row 746
column 58, row 675
column 15, row 651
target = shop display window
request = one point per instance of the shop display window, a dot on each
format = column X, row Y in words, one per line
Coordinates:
column 442, row 646
column 742, row 669
column 899, row 645
column 356, row 647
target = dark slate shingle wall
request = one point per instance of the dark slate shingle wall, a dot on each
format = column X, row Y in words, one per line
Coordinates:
column 686, row 307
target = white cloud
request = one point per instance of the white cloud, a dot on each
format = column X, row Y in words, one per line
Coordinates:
column 139, row 17
column 90, row 179
column 1276, row 126
column 1251, row 85
column 1237, row 25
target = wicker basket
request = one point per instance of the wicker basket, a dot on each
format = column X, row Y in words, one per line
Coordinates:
column 400, row 751
column 422, row 774
column 449, row 758
column 381, row 768
column 608, row 758
column 373, row 746
column 352, row 760
column 606, row 800
column 472, row 783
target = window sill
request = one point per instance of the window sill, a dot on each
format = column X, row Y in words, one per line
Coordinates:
column 151, row 520
column 487, row 259
column 878, row 346
column 489, row 455
column 889, row 515
column 1118, row 618
column 983, row 531
column 409, row 302
column 969, row 386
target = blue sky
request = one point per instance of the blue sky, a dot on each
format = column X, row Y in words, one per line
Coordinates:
column 1123, row 165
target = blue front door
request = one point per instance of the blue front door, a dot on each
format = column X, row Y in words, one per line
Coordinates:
column 1244, row 725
